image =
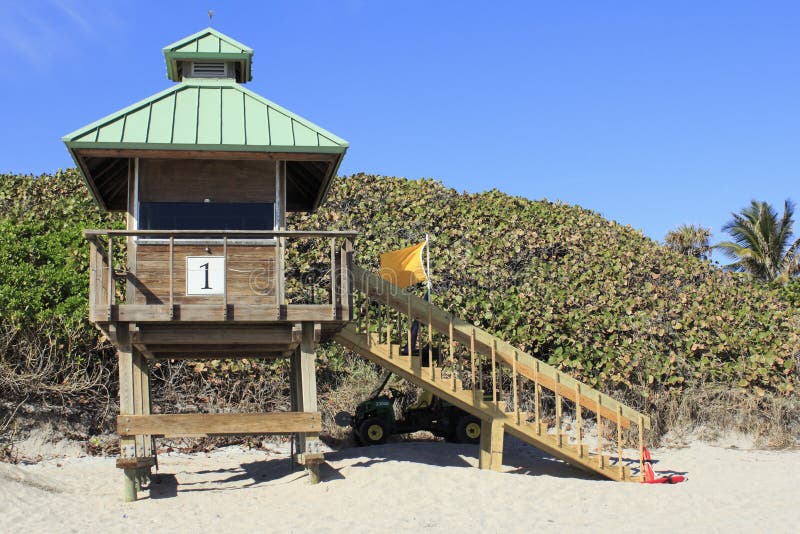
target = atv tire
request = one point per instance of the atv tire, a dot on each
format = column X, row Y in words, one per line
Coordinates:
column 373, row 431
column 468, row 429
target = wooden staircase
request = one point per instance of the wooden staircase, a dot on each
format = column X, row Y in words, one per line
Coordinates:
column 527, row 398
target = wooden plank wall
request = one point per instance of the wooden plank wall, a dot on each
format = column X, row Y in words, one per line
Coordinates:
column 250, row 269
column 169, row 180
column 250, row 272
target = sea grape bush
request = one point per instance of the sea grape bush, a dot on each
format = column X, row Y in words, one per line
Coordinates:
column 597, row 299
column 593, row 297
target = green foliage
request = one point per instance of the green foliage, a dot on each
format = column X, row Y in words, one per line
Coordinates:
column 43, row 256
column 790, row 292
column 594, row 297
column 689, row 240
column 761, row 242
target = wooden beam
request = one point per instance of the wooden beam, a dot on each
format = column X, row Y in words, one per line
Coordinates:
column 304, row 381
column 180, row 425
column 211, row 335
column 231, row 350
column 127, row 444
column 205, row 154
column 219, row 234
column 277, row 352
column 210, row 313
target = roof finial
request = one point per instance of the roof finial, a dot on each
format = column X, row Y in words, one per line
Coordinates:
column 210, row 16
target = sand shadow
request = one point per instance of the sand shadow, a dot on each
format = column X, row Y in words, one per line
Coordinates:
column 163, row 486
column 518, row 457
column 422, row 452
column 244, row 476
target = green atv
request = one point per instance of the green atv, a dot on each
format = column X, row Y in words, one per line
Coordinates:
column 374, row 420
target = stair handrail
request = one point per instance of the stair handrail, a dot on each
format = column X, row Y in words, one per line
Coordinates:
column 384, row 292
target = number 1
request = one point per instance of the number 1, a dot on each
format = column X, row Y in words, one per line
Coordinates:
column 205, row 266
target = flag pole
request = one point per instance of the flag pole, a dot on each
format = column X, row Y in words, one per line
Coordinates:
column 428, row 262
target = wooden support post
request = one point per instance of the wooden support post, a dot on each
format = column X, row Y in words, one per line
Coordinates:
column 138, row 374
column 127, row 404
column 304, row 385
column 130, row 483
column 311, row 461
column 491, row 447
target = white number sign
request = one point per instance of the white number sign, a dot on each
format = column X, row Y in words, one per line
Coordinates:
column 205, row 275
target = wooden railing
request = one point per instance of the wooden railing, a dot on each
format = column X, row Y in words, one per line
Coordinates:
column 121, row 290
column 534, row 392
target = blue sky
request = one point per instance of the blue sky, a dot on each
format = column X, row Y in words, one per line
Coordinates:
column 651, row 113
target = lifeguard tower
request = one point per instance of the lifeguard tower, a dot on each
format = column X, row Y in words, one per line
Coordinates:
column 205, row 172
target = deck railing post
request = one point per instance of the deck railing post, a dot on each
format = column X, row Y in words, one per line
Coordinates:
column 333, row 299
column 641, row 446
column 387, row 316
column 172, row 276
column 514, row 385
column 224, row 278
column 111, row 282
column 537, row 397
column 559, row 433
column 472, row 361
column 452, row 347
column 494, row 372
column 410, row 325
column 366, row 312
column 93, row 289
column 619, row 442
column 600, row 429
column 430, row 341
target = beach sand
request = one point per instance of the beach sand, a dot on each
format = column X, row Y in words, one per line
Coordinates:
column 405, row 486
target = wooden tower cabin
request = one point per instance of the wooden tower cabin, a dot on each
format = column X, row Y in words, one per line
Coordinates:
column 206, row 172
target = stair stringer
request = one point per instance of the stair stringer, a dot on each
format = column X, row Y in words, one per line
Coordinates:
column 473, row 403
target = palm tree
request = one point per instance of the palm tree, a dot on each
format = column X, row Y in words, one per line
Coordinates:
column 761, row 242
column 689, row 240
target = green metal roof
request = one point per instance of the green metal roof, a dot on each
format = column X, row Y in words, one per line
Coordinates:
column 205, row 115
column 208, row 44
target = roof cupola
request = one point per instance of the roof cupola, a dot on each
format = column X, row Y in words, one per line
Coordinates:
column 208, row 54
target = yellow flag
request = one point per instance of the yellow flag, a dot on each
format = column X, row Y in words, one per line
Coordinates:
column 404, row 267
